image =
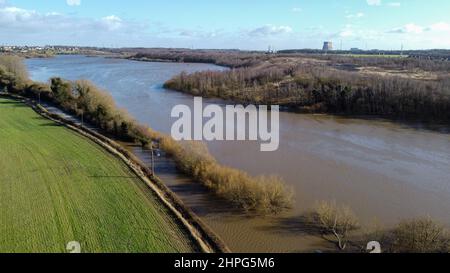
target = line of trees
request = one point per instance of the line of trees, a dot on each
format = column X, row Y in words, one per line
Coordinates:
column 261, row 195
column 394, row 63
column 432, row 54
column 321, row 88
column 431, row 61
column 228, row 58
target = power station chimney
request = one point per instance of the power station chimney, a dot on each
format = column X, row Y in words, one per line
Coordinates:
column 327, row 46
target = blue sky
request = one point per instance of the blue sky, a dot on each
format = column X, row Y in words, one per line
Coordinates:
column 244, row 24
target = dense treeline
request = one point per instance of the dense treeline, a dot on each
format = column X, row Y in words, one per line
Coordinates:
column 435, row 54
column 432, row 54
column 394, row 63
column 228, row 58
column 264, row 195
column 432, row 60
column 321, row 88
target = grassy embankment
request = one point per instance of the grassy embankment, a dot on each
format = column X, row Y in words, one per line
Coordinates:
column 57, row 187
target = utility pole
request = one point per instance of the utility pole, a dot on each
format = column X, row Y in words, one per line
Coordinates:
column 39, row 95
column 153, row 159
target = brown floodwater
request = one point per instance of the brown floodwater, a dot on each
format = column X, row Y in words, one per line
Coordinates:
column 386, row 171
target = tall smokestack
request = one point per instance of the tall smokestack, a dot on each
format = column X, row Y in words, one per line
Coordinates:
column 327, row 46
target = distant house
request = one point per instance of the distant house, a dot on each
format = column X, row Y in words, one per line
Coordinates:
column 7, row 49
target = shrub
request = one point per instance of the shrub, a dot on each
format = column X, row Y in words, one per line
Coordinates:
column 334, row 220
column 14, row 65
column 39, row 89
column 13, row 74
column 62, row 92
column 262, row 195
column 420, row 236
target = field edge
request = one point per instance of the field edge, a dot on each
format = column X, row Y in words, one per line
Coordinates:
column 207, row 241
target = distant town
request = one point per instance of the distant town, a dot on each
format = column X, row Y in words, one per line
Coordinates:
column 327, row 48
column 48, row 50
column 39, row 50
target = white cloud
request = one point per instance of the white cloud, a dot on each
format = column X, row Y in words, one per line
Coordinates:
column 410, row 28
column 374, row 2
column 346, row 33
column 73, row 2
column 199, row 34
column 357, row 15
column 296, row 9
column 269, row 30
column 16, row 15
column 419, row 36
column 413, row 28
column 17, row 22
column 112, row 22
column 441, row 27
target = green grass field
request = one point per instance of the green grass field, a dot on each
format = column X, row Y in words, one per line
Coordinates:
column 57, row 187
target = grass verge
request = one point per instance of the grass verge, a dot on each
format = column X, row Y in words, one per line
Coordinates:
column 57, row 187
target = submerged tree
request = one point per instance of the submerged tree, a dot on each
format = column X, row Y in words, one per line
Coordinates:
column 335, row 220
column 420, row 236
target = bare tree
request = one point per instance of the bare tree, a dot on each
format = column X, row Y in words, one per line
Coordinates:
column 335, row 220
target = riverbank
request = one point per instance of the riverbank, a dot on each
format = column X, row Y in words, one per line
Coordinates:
column 259, row 195
column 392, row 88
column 318, row 86
column 183, row 197
column 122, row 185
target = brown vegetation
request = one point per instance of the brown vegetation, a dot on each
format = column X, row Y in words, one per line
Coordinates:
column 13, row 65
column 420, row 236
column 228, row 58
column 261, row 195
column 13, row 73
column 265, row 195
column 326, row 87
column 334, row 220
column 394, row 63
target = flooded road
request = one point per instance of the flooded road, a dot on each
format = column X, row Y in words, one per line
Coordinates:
column 385, row 171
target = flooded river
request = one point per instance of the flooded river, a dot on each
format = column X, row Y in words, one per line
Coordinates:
column 385, row 171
